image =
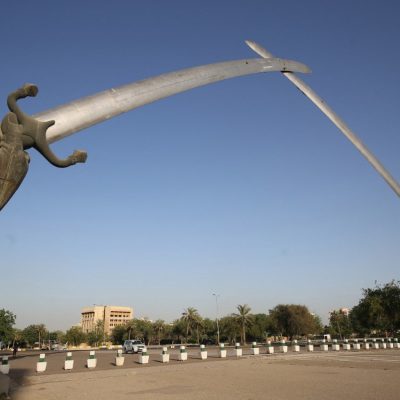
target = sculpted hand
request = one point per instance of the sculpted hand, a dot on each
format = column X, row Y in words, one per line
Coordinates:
column 78, row 156
column 29, row 89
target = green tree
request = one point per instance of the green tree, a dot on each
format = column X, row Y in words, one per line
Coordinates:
column 35, row 334
column 319, row 327
column 340, row 324
column 379, row 309
column 293, row 320
column 96, row 336
column 131, row 329
column 229, row 329
column 191, row 318
column 118, row 334
column 17, row 336
column 75, row 336
column 178, row 330
column 199, row 326
column 7, row 321
column 245, row 320
column 159, row 329
column 57, row 336
column 209, row 330
column 144, row 330
column 261, row 327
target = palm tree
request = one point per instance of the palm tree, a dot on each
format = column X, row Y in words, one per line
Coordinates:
column 130, row 327
column 178, row 330
column 245, row 319
column 198, row 323
column 190, row 316
column 41, row 330
column 159, row 327
column 230, row 328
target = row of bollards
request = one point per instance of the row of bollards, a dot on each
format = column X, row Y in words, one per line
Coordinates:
column 283, row 347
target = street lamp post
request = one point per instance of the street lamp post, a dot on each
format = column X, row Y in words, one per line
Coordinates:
column 216, row 305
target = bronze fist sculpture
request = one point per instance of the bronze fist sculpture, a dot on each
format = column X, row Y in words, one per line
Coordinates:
column 19, row 132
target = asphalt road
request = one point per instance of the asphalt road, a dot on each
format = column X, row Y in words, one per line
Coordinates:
column 25, row 363
column 350, row 375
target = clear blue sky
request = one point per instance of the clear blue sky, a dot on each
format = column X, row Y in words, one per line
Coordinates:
column 242, row 188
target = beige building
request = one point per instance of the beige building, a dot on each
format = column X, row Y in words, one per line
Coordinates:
column 111, row 315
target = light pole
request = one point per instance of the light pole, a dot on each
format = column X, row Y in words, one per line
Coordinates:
column 216, row 305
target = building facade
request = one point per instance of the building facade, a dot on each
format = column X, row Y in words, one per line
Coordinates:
column 111, row 316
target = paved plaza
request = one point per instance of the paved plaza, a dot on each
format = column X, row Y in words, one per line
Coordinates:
column 318, row 375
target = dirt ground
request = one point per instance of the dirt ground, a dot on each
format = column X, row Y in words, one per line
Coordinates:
column 322, row 376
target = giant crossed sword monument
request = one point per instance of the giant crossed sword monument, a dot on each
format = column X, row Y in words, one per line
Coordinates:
column 20, row 131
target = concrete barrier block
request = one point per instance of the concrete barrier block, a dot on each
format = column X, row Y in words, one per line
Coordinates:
column 164, row 356
column 203, row 352
column 182, row 356
column 91, row 362
column 254, row 349
column 4, row 366
column 270, row 349
column 41, row 365
column 69, row 362
column 222, row 351
column 119, row 359
column 143, row 357
column 4, row 385
column 238, row 350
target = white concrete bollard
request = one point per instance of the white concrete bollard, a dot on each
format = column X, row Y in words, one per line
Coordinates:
column 323, row 346
column 383, row 345
column 270, row 348
column 91, row 362
column 346, row 345
column 4, row 366
column 396, row 343
column 295, row 346
column 356, row 345
column 41, row 365
column 222, row 350
column 203, row 352
column 119, row 359
column 254, row 349
column 182, row 356
column 164, row 356
column 283, row 347
column 143, row 356
column 309, row 346
column 335, row 345
column 69, row 362
column 375, row 344
column 365, row 345
column 390, row 344
column 238, row 350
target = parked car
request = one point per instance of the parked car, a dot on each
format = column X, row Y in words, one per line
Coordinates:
column 133, row 346
column 58, row 347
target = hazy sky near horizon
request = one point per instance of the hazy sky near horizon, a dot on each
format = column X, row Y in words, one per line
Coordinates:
column 241, row 188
